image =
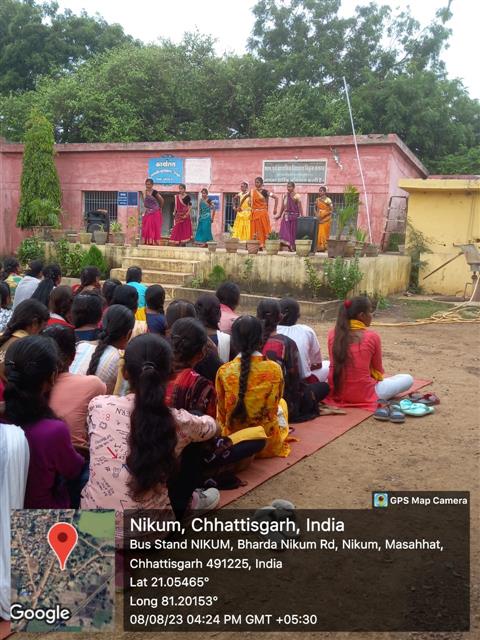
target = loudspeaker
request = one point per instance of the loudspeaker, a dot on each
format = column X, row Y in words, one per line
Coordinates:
column 308, row 226
column 95, row 220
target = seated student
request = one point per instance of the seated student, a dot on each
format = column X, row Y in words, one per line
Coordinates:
column 128, row 297
column 89, row 281
column 14, row 460
column 133, row 279
column 103, row 358
column 229, row 295
column 86, row 314
column 208, row 312
column 356, row 369
column 29, row 282
column 60, row 305
column 71, row 393
column 11, row 275
column 108, row 289
column 5, row 302
column 155, row 315
column 146, row 436
column 312, row 367
column 302, row 399
column 210, row 364
column 250, row 389
column 29, row 318
column 187, row 389
column 31, row 366
column 52, row 276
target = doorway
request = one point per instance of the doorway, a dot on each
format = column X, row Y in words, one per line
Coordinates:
column 168, row 207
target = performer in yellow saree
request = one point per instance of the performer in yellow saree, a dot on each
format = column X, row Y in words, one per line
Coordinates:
column 260, row 227
column 323, row 210
column 241, row 226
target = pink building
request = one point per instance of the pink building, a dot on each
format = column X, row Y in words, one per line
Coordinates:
column 111, row 176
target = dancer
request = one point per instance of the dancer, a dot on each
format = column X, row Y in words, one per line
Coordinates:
column 323, row 211
column 243, row 213
column 260, row 227
column 152, row 219
column 182, row 229
column 206, row 218
column 290, row 211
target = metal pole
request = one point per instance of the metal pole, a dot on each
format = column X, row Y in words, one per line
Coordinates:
column 358, row 160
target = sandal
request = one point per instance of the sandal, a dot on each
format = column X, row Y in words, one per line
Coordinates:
column 389, row 413
column 424, row 398
column 416, row 409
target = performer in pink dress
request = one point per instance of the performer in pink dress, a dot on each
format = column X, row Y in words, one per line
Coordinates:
column 152, row 219
column 182, row 229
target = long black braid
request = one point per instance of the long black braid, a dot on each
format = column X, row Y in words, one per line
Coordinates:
column 268, row 312
column 117, row 323
column 246, row 338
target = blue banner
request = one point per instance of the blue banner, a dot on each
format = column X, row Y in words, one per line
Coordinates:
column 166, row 170
column 122, row 198
column 215, row 198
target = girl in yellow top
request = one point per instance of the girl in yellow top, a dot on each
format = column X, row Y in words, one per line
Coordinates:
column 241, row 226
column 250, row 389
column 323, row 210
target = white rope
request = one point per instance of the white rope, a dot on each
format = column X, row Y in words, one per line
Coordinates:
column 358, row 160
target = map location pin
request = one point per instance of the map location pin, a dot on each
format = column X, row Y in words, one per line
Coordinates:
column 62, row 537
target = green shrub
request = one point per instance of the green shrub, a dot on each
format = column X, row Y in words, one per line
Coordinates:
column 31, row 249
column 95, row 258
column 216, row 276
column 69, row 257
column 342, row 276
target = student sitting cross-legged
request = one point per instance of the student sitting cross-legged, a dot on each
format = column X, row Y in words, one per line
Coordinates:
column 356, row 371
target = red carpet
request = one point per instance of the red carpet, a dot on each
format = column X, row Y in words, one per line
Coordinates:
column 4, row 629
column 312, row 436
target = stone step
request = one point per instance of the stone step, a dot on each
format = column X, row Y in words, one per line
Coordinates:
column 192, row 253
column 156, row 277
column 160, row 264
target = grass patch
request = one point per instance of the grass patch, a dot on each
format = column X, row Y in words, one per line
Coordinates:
column 100, row 524
column 420, row 309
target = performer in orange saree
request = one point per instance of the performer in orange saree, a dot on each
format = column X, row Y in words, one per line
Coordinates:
column 323, row 210
column 182, row 229
column 260, row 222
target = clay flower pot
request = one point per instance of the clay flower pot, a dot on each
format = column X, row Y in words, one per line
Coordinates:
column 100, row 237
column 231, row 245
column 85, row 237
column 212, row 246
column 272, row 247
column 57, row 234
column 118, row 238
column 336, row 248
column 303, row 247
column 253, row 246
column 371, row 250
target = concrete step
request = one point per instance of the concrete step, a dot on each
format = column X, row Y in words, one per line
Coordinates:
column 190, row 253
column 156, row 277
column 160, row 264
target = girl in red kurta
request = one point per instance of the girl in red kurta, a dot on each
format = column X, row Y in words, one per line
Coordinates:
column 356, row 369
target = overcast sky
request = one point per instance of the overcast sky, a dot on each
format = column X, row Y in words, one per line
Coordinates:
column 230, row 22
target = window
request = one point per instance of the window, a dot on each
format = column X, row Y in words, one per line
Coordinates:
column 337, row 201
column 228, row 210
column 101, row 200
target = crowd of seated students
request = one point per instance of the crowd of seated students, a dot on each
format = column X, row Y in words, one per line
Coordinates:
column 118, row 412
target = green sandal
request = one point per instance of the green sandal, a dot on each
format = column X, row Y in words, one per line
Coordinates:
column 416, row 409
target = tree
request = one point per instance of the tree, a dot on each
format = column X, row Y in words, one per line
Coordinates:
column 37, row 40
column 39, row 181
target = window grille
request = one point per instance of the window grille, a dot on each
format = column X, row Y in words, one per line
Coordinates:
column 101, row 200
column 228, row 211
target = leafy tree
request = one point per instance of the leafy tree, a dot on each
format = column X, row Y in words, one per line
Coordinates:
column 39, row 181
column 465, row 161
column 37, row 40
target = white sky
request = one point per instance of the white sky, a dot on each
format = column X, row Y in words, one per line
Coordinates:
column 231, row 21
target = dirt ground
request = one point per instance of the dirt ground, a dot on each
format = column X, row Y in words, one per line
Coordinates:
column 440, row 452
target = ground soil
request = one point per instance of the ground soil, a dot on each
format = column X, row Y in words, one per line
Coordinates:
column 440, row 452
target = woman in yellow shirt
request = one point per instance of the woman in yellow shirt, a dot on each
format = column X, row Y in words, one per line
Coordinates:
column 250, row 389
column 323, row 210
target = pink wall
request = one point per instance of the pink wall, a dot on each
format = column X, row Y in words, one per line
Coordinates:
column 124, row 167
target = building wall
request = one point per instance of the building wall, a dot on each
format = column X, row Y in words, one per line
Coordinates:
column 447, row 212
column 124, row 167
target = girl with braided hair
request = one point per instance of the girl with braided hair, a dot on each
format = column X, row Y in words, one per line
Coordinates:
column 144, row 436
column 31, row 369
column 29, row 318
column 250, row 389
column 52, row 276
column 103, row 358
column 302, row 398
column 356, row 370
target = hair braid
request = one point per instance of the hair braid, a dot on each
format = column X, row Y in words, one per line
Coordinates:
column 117, row 322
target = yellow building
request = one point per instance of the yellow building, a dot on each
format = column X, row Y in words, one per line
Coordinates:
column 447, row 212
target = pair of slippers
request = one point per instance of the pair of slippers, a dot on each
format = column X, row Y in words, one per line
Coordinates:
column 396, row 411
column 428, row 399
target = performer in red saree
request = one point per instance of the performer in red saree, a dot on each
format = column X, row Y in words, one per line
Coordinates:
column 182, row 229
column 152, row 218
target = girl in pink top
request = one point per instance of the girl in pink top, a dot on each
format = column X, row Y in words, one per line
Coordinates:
column 356, row 369
column 135, row 440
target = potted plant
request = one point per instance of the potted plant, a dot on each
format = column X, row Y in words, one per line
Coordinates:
column 272, row 244
column 371, row 250
column 85, row 237
column 360, row 236
column 57, row 234
column 231, row 244
column 72, row 235
column 164, row 241
column 253, row 245
column 45, row 216
column 100, row 235
column 303, row 246
column 212, row 246
column 118, row 235
column 336, row 246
